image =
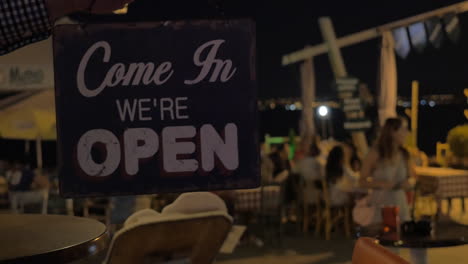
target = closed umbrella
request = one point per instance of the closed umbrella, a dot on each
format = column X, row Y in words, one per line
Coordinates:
column 388, row 79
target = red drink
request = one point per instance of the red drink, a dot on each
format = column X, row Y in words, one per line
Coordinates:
column 391, row 218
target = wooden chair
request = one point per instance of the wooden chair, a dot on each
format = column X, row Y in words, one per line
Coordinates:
column 18, row 200
column 333, row 215
column 178, row 238
column 311, row 207
column 368, row 251
column 271, row 212
column 425, row 199
column 4, row 203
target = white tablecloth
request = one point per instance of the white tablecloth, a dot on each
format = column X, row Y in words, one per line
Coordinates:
column 445, row 182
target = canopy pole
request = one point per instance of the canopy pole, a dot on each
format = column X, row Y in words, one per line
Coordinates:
column 39, row 152
column 414, row 112
column 308, row 96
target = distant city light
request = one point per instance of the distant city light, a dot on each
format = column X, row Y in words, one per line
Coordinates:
column 406, row 104
column 423, row 102
column 287, row 107
column 322, row 111
column 292, row 107
column 272, row 105
column 432, row 103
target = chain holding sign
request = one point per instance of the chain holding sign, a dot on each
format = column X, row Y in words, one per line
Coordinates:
column 352, row 104
column 156, row 107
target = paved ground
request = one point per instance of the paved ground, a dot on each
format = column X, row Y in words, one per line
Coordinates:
column 300, row 249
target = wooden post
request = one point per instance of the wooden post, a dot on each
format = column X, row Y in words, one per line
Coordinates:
column 414, row 112
column 308, row 96
column 339, row 70
column 334, row 53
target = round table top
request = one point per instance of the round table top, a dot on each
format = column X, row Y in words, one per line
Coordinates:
column 49, row 238
column 443, row 234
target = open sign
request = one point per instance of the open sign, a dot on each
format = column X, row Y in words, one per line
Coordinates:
column 156, row 107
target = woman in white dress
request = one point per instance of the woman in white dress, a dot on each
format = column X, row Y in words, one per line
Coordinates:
column 387, row 170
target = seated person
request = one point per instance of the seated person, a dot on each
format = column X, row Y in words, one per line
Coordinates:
column 27, row 186
column 20, row 178
column 310, row 169
column 281, row 163
column 340, row 177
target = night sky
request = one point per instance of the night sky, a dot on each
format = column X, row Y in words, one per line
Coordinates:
column 286, row 26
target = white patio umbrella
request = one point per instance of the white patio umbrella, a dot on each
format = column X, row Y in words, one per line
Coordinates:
column 31, row 118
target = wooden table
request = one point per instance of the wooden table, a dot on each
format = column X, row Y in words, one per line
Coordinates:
column 49, row 238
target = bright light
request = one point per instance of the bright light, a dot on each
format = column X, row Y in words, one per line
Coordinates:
column 322, row 111
column 122, row 11
column 292, row 107
column 432, row 103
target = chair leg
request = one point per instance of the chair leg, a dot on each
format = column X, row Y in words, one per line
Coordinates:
column 328, row 224
column 69, row 207
column 45, row 202
column 14, row 203
column 305, row 219
column 463, row 204
column 300, row 216
column 347, row 224
column 108, row 216
column 318, row 221
column 86, row 208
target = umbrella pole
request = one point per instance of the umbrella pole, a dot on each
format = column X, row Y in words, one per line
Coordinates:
column 39, row 152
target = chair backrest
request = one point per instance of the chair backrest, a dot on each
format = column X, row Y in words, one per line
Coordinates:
column 324, row 195
column 442, row 152
column 248, row 200
column 194, row 238
column 310, row 193
column 367, row 251
column 271, row 199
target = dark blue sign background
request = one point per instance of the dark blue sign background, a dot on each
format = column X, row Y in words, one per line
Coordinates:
column 208, row 102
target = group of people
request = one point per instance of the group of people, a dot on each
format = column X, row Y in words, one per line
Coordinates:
column 23, row 184
column 386, row 170
column 20, row 177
